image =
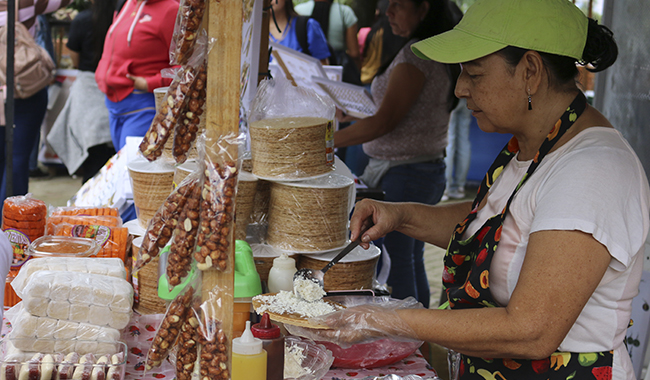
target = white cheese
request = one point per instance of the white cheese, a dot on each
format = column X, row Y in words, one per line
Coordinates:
column 308, row 290
column 288, row 303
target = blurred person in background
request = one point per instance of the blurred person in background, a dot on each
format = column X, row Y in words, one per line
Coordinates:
column 81, row 135
column 29, row 112
column 339, row 23
column 381, row 45
column 284, row 29
column 136, row 49
column 407, row 136
column 458, row 152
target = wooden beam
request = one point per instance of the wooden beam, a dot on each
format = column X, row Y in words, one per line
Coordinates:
column 224, row 24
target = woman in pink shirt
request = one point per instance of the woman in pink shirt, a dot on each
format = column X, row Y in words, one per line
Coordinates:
column 135, row 50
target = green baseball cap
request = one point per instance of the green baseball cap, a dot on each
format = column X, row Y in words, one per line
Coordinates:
column 549, row 26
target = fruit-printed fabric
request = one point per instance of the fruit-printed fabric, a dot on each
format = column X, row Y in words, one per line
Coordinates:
column 466, row 276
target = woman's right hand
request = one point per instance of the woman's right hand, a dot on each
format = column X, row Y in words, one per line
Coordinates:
column 372, row 220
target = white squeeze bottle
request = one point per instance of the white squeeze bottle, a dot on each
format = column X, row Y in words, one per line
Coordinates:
column 248, row 357
column 281, row 274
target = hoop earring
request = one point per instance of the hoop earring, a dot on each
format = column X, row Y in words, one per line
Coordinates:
column 530, row 101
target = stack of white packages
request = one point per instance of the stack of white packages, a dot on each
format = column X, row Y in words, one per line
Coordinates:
column 70, row 304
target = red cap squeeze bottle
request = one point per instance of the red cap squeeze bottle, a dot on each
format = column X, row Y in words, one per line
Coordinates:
column 273, row 343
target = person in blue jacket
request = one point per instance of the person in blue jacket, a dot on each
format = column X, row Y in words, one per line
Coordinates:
column 282, row 29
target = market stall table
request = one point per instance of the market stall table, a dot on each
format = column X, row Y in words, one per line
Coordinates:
column 142, row 328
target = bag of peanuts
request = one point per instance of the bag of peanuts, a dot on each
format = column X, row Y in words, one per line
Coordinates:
column 192, row 326
column 186, row 31
column 163, row 223
column 218, row 200
column 174, row 106
column 184, row 234
column 169, row 329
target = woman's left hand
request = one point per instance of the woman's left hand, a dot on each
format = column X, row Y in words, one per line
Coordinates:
column 361, row 324
column 139, row 83
column 343, row 118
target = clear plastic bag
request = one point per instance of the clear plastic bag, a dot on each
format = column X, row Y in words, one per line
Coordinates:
column 291, row 131
column 162, row 225
column 45, row 334
column 174, row 102
column 367, row 334
column 181, row 250
column 186, row 30
column 199, row 348
column 218, row 201
column 108, row 266
column 169, row 329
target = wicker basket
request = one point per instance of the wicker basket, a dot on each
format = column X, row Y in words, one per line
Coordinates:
column 183, row 170
column 152, row 183
column 287, row 149
column 309, row 216
column 354, row 272
column 146, row 282
column 246, row 189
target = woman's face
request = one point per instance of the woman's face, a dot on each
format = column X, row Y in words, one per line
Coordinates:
column 405, row 16
column 495, row 95
column 278, row 5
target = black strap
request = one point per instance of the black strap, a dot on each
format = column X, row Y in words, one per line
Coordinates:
column 301, row 33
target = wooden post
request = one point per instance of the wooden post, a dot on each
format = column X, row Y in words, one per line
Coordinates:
column 224, row 23
column 264, row 42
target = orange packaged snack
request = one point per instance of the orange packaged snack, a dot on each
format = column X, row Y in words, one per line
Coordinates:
column 25, row 214
column 92, row 211
column 107, row 230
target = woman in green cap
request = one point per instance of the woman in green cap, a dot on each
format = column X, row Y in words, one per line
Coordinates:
column 542, row 266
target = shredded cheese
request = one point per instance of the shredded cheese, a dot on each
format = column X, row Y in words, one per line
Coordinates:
column 288, row 303
column 308, row 290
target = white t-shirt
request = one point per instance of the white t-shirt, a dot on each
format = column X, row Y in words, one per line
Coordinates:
column 341, row 18
column 594, row 184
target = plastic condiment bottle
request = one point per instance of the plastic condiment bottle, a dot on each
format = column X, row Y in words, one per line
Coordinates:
column 248, row 357
column 281, row 274
column 273, row 343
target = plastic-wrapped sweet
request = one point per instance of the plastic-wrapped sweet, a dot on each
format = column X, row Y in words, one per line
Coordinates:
column 44, row 334
column 80, row 297
column 112, row 267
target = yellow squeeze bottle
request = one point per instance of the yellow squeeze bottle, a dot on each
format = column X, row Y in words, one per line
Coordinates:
column 248, row 357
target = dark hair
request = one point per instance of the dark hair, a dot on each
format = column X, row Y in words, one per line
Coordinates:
column 600, row 52
column 288, row 8
column 321, row 13
column 102, row 16
column 442, row 16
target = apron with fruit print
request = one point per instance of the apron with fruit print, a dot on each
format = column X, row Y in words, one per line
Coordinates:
column 466, row 278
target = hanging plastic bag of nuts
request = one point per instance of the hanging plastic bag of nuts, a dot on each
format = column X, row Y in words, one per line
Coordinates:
column 162, row 225
column 189, row 121
column 187, row 347
column 173, row 103
column 201, row 351
column 179, row 260
column 186, row 30
column 169, row 330
column 213, row 357
column 218, row 201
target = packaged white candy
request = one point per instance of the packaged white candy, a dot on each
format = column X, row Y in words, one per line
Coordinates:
column 44, row 334
column 79, row 297
column 108, row 266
